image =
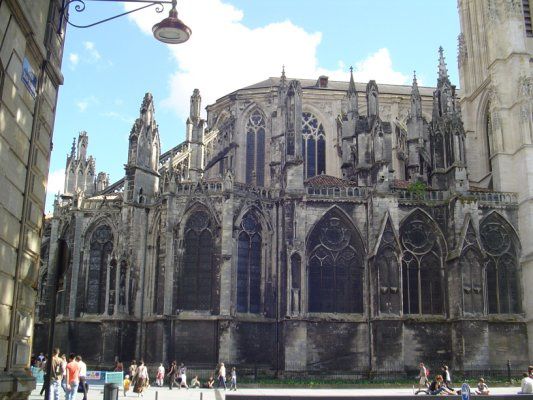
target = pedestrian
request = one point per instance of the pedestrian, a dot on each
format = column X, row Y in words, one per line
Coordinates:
column 46, row 381
column 233, row 379
column 56, row 375
column 73, row 377
column 160, row 375
column 141, row 379
column 132, row 369
column 422, row 376
column 222, row 376
column 172, row 374
column 126, row 384
column 183, row 376
column 119, row 367
column 64, row 366
column 83, row 376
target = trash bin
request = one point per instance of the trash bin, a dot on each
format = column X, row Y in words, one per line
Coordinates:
column 110, row 391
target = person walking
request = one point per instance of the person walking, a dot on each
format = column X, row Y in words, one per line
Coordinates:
column 46, row 378
column 222, row 376
column 56, row 375
column 64, row 366
column 160, row 375
column 447, row 377
column 141, row 379
column 233, row 385
column 172, row 374
column 422, row 376
column 183, row 376
column 83, row 376
column 73, row 377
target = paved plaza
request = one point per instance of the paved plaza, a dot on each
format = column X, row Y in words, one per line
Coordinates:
column 96, row 393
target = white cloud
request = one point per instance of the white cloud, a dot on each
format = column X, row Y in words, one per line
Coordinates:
column 84, row 103
column 223, row 54
column 120, row 117
column 94, row 55
column 74, row 59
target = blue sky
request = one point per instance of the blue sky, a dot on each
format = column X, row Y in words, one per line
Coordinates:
column 108, row 68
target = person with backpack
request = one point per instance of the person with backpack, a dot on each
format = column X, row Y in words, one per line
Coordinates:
column 56, row 375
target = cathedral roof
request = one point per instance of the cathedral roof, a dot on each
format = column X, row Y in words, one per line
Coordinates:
column 343, row 86
column 328, row 180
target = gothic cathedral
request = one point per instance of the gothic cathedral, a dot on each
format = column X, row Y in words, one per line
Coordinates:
column 315, row 225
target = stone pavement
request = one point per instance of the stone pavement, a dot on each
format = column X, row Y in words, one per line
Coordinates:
column 153, row 393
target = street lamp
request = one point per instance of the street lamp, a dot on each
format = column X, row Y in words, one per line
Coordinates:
column 170, row 30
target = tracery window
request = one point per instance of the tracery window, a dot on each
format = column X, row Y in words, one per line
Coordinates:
column 335, row 266
column 100, row 250
column 313, row 145
column 196, row 278
column 471, row 265
column 499, row 241
column 249, row 265
column 255, row 149
column 388, row 273
column 422, row 275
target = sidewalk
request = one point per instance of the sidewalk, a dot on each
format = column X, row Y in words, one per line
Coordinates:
column 153, row 393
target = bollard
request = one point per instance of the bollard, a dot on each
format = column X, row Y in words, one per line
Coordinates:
column 110, row 391
column 201, row 396
column 156, row 394
column 509, row 371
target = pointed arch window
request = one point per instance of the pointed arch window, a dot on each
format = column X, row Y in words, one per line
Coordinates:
column 335, row 266
column 296, row 267
column 249, row 265
column 196, row 277
column 101, row 247
column 159, row 279
column 388, row 273
column 422, row 274
column 255, row 149
column 313, row 145
column 499, row 241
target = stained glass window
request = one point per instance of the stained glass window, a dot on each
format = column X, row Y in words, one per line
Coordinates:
column 313, row 145
column 335, row 266
column 99, row 258
column 196, row 277
column 255, row 149
column 249, row 265
column 499, row 241
column 422, row 272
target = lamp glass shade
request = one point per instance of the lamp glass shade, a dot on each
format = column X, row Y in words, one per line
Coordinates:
column 171, row 30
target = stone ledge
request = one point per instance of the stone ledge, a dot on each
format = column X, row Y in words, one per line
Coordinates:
column 16, row 385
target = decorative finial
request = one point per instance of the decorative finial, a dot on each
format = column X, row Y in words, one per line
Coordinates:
column 443, row 70
column 283, row 77
column 351, row 87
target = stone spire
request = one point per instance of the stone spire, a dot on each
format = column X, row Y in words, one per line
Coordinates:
column 443, row 70
column 416, row 100
column 353, row 106
column 196, row 105
column 283, row 79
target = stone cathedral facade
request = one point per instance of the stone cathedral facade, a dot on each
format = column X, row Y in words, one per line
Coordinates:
column 305, row 225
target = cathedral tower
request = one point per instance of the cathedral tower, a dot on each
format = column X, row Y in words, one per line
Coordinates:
column 195, row 133
column 495, row 65
column 142, row 178
column 80, row 169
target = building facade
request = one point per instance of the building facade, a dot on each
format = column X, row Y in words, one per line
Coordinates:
column 30, row 61
column 303, row 226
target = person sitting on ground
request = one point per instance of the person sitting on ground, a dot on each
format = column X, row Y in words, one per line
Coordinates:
column 438, row 387
column 126, row 384
column 526, row 384
column 195, row 383
column 482, row 388
column 210, row 382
